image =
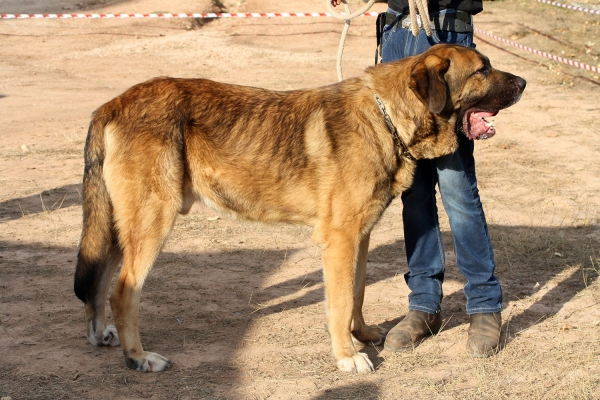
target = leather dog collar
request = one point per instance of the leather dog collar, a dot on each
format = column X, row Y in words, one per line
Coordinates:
column 404, row 151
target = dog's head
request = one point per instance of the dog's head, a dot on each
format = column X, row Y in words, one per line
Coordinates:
column 458, row 84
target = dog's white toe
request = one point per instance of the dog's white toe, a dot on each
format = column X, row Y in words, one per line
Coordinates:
column 149, row 362
column 357, row 363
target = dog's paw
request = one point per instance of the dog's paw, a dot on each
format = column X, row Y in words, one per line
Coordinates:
column 110, row 337
column 357, row 363
column 372, row 334
column 148, row 362
column 107, row 337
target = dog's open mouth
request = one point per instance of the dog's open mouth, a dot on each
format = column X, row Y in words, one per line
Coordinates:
column 476, row 126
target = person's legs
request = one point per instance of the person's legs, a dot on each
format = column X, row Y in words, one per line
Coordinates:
column 424, row 247
column 473, row 248
column 455, row 175
column 472, row 245
column 423, row 241
column 425, row 253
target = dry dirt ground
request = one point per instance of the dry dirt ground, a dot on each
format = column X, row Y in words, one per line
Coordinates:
column 238, row 306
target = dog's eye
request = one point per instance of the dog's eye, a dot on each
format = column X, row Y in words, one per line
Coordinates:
column 482, row 71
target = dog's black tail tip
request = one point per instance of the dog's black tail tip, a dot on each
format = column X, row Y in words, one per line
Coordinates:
column 85, row 279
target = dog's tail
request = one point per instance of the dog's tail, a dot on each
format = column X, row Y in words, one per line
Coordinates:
column 99, row 242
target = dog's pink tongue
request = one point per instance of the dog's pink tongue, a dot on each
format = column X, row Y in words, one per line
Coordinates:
column 479, row 127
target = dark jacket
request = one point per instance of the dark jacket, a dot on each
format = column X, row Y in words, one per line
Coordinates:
column 472, row 6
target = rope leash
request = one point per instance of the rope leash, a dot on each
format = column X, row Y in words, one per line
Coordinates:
column 347, row 18
column 423, row 10
column 415, row 6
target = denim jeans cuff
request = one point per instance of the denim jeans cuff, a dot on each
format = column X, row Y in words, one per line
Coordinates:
column 483, row 310
column 424, row 309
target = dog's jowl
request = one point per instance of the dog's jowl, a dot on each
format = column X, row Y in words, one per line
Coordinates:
column 332, row 158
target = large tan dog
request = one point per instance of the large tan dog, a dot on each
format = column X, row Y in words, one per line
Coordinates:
column 332, row 158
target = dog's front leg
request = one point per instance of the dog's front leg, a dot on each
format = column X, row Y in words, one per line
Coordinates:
column 370, row 334
column 340, row 256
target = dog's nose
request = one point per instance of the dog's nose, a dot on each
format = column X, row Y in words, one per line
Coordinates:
column 521, row 83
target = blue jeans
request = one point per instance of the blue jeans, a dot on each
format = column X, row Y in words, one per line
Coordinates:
column 454, row 174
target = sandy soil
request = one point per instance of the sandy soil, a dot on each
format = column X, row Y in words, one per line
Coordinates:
column 238, row 306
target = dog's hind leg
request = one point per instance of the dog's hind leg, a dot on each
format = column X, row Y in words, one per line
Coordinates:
column 142, row 235
column 99, row 334
column 145, row 180
column 370, row 334
column 98, row 258
column 146, row 198
column 99, row 271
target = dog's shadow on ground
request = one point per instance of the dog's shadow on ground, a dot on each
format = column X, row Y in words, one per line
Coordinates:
column 183, row 306
column 46, row 200
column 526, row 258
column 361, row 390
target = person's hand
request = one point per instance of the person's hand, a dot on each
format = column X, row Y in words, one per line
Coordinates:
column 336, row 2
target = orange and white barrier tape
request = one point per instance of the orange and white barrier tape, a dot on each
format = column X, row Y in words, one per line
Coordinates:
column 574, row 8
column 541, row 53
column 274, row 15
column 169, row 15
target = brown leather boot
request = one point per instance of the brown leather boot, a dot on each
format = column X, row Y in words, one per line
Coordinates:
column 484, row 334
column 411, row 330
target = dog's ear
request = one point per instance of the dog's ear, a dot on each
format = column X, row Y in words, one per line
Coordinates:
column 428, row 84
